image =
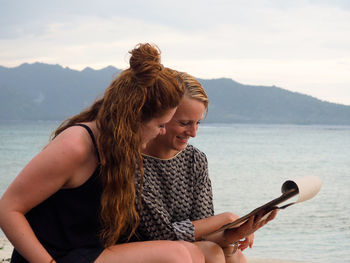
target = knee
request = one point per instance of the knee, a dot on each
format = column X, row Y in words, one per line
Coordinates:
column 237, row 257
column 186, row 252
column 212, row 251
column 195, row 254
column 241, row 257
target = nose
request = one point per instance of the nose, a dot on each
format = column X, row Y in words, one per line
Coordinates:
column 162, row 131
column 192, row 130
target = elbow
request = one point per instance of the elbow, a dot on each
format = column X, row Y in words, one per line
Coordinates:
column 6, row 213
column 2, row 214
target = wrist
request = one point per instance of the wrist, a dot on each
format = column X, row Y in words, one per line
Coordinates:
column 228, row 238
column 230, row 249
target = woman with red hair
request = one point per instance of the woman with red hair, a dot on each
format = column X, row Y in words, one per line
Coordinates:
column 75, row 200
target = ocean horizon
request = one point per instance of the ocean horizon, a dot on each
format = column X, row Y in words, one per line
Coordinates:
column 248, row 163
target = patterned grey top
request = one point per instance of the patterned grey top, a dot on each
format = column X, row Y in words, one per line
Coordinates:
column 175, row 192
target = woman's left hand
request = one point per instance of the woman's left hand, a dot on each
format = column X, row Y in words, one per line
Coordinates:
column 247, row 242
column 248, row 228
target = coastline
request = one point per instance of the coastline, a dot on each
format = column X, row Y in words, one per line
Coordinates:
column 6, row 250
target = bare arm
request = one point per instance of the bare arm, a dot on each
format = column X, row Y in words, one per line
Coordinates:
column 207, row 225
column 229, row 236
column 204, row 227
column 56, row 166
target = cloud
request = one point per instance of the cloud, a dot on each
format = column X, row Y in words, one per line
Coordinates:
column 298, row 45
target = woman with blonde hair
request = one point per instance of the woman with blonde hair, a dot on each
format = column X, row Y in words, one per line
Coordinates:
column 177, row 195
column 75, row 200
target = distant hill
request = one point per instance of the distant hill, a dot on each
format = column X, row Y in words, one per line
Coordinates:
column 231, row 101
column 50, row 92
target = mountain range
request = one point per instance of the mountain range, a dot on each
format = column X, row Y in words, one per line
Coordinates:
column 41, row 91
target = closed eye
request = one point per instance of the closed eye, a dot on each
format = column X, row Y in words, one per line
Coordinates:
column 184, row 123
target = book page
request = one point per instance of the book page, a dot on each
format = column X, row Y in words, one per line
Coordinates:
column 304, row 188
column 308, row 187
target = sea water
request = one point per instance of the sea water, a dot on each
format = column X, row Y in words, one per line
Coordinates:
column 247, row 165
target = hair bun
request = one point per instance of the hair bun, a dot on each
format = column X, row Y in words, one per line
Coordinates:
column 145, row 63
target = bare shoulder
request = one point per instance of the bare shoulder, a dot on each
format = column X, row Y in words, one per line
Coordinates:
column 66, row 162
column 75, row 151
column 75, row 143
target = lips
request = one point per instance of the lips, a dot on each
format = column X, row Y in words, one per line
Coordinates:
column 182, row 139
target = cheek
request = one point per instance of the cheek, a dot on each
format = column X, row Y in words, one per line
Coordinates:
column 148, row 134
column 155, row 132
column 179, row 130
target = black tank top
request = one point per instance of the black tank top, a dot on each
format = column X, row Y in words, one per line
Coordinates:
column 69, row 219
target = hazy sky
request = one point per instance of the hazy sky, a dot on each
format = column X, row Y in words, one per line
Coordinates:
column 302, row 46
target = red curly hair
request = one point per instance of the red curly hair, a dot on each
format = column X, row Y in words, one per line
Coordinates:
column 144, row 91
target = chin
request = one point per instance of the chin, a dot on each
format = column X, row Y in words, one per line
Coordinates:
column 180, row 147
column 143, row 146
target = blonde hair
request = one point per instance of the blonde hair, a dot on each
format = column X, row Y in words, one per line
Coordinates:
column 194, row 90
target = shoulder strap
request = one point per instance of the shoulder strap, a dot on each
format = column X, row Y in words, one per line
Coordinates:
column 92, row 137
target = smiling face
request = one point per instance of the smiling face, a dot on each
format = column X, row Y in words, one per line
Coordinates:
column 182, row 126
column 155, row 127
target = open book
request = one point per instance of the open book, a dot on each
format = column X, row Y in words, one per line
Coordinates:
column 305, row 187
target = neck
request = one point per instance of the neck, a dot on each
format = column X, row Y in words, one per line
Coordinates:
column 158, row 150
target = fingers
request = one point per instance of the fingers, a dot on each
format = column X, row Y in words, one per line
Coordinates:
column 259, row 221
column 264, row 218
column 251, row 240
column 242, row 245
column 247, row 242
column 254, row 223
column 272, row 215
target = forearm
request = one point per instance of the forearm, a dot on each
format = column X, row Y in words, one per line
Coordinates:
column 20, row 234
column 221, row 238
column 232, row 235
column 205, row 226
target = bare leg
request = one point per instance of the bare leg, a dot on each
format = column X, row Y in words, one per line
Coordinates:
column 213, row 253
column 237, row 257
column 152, row 252
column 196, row 254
